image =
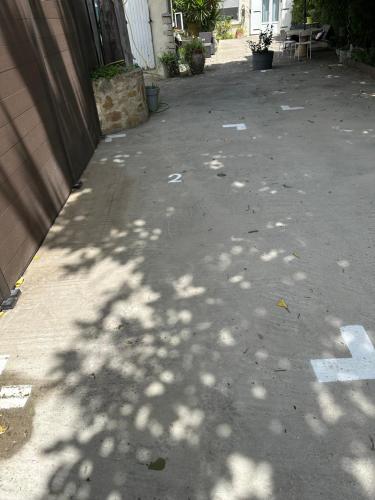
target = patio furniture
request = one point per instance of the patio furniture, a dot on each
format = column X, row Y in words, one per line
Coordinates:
column 207, row 38
column 320, row 39
column 286, row 44
column 303, row 46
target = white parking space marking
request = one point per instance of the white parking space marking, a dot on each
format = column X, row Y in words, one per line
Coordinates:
column 285, row 107
column 238, row 126
column 14, row 396
column 361, row 366
column 110, row 137
column 3, row 362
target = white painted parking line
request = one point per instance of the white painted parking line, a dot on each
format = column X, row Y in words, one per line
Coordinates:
column 238, row 126
column 14, row 396
column 361, row 366
column 3, row 362
column 110, row 137
column 289, row 108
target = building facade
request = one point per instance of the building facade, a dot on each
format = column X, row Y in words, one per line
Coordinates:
column 150, row 31
column 256, row 15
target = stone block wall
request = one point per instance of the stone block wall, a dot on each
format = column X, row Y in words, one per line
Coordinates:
column 121, row 101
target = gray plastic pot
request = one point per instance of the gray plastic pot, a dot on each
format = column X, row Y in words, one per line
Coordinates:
column 262, row 60
column 152, row 94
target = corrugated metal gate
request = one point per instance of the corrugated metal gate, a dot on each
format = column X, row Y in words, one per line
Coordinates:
column 48, row 122
column 140, row 34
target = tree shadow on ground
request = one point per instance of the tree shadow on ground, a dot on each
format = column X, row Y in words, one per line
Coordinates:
column 179, row 386
column 184, row 378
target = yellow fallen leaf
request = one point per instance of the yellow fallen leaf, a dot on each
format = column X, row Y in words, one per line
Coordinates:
column 283, row 304
column 3, row 428
column 36, row 257
column 2, row 313
column 20, row 282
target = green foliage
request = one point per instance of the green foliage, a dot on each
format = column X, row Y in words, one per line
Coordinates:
column 168, row 58
column 353, row 21
column 224, row 28
column 364, row 56
column 111, row 70
column 205, row 13
column 264, row 41
column 195, row 46
column 171, row 61
column 299, row 9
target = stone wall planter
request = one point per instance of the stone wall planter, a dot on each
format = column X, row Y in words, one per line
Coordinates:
column 121, row 101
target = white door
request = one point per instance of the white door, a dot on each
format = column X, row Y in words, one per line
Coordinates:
column 271, row 14
column 286, row 14
column 140, row 34
column 256, row 16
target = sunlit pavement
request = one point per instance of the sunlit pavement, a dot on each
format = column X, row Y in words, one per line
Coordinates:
column 168, row 323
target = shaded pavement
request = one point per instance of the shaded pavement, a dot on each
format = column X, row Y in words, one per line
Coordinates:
column 161, row 365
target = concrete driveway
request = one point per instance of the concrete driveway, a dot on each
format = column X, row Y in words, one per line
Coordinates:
column 168, row 323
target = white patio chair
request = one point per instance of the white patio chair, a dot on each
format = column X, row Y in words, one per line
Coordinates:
column 286, row 45
column 304, row 39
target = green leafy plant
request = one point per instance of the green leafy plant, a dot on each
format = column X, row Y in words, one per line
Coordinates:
column 171, row 62
column 364, row 56
column 205, row 13
column 224, row 28
column 195, row 46
column 111, row 70
column 264, row 42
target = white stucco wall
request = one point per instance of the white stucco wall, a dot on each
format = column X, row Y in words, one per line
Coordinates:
column 245, row 4
column 161, row 26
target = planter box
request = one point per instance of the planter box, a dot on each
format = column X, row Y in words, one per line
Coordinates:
column 262, row 60
column 121, row 101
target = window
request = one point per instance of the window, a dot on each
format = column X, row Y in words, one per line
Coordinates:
column 275, row 10
column 265, row 11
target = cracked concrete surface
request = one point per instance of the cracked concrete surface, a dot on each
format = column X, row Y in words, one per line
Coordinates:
column 161, row 365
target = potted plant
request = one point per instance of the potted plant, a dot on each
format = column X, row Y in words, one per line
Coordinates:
column 262, row 56
column 152, row 95
column 240, row 32
column 194, row 56
column 171, row 63
column 200, row 15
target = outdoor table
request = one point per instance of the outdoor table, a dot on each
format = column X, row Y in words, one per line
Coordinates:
column 304, row 35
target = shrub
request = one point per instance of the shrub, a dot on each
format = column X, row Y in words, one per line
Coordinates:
column 264, row 42
column 364, row 56
column 205, row 13
column 195, row 46
column 224, row 28
column 111, row 70
column 171, row 62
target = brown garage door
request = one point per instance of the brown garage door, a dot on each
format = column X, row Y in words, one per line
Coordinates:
column 48, row 122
